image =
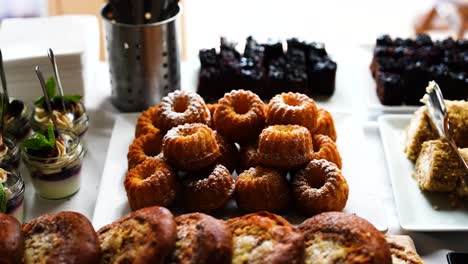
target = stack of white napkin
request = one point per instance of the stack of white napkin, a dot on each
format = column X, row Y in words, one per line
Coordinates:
column 24, row 44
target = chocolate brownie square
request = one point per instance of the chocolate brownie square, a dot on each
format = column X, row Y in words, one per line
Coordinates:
column 390, row 88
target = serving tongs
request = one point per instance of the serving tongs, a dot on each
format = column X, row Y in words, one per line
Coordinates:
column 437, row 109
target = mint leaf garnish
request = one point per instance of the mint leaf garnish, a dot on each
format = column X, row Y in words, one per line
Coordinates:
column 74, row 98
column 3, row 199
column 40, row 142
column 50, row 87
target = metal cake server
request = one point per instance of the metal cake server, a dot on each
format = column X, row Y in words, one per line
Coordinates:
column 437, row 109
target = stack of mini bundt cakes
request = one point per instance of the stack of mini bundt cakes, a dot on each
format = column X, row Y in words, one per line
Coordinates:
column 188, row 150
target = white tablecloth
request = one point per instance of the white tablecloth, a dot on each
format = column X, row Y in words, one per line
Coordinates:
column 431, row 246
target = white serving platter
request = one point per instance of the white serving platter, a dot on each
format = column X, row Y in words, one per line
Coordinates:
column 417, row 210
column 112, row 201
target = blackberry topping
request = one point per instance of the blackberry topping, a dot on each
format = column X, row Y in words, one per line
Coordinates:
column 423, row 40
column 15, row 108
column 384, row 40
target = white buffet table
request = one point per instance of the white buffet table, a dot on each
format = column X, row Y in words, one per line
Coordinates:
column 431, row 246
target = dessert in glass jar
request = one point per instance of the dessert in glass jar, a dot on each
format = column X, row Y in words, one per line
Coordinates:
column 68, row 110
column 9, row 154
column 12, row 194
column 17, row 118
column 54, row 162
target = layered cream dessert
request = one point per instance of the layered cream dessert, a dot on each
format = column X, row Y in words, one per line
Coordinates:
column 13, row 189
column 74, row 118
column 17, row 119
column 56, row 170
column 9, row 154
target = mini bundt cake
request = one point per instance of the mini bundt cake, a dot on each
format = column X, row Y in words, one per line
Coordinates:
column 201, row 239
column 285, row 146
column 191, row 146
column 264, row 237
column 152, row 182
column 209, row 189
column 65, row 237
column 262, row 189
column 142, row 147
column 240, row 116
column 147, row 121
column 325, row 124
column 320, row 187
column 229, row 153
column 212, row 108
column 292, row 109
column 147, row 235
column 248, row 157
column 335, row 237
column 181, row 107
column 11, row 240
column 325, row 148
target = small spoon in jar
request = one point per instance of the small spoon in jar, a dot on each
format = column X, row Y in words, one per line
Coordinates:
column 51, row 55
column 40, row 76
column 5, row 99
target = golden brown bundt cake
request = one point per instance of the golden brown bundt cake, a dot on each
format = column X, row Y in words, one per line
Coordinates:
column 212, row 108
column 209, row 189
column 147, row 121
column 292, row 109
column 325, row 124
column 285, row 146
column 152, row 182
column 264, row 237
column 262, row 189
column 65, row 237
column 320, row 187
column 240, row 116
column 181, row 107
column 229, row 153
column 336, row 237
column 325, row 148
column 201, row 239
column 11, row 240
column 147, row 235
column 191, row 146
column 142, row 147
column 248, row 157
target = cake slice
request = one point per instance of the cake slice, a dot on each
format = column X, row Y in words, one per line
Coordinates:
column 438, row 167
column 462, row 186
column 403, row 250
column 418, row 131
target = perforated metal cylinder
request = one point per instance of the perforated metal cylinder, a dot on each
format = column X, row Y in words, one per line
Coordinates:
column 144, row 61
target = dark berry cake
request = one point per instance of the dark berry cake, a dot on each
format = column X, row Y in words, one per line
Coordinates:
column 402, row 68
column 267, row 69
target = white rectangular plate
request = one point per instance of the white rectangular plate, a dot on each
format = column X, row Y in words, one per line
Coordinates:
column 415, row 208
column 112, row 201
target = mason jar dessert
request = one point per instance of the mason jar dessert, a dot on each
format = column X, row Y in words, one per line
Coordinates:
column 17, row 119
column 68, row 111
column 9, row 154
column 54, row 163
column 12, row 194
